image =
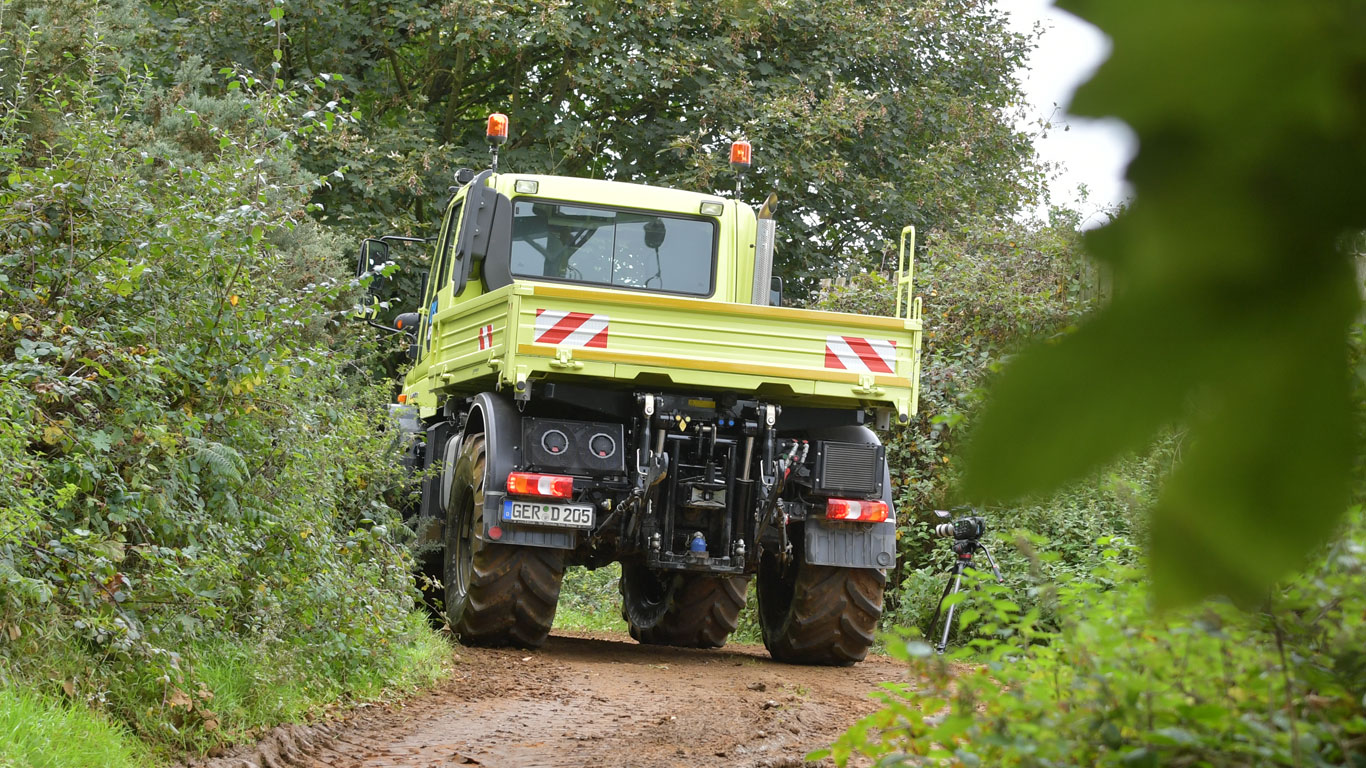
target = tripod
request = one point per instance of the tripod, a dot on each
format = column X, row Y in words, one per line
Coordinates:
column 964, row 549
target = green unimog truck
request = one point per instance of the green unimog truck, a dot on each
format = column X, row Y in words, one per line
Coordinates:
column 601, row 375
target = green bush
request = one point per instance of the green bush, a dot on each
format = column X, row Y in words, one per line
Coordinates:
column 1066, row 663
column 591, row 600
column 1046, row 541
column 987, row 288
column 193, row 459
column 1114, row 684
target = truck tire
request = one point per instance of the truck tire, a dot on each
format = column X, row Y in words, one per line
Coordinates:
column 688, row 610
column 496, row 594
column 818, row 614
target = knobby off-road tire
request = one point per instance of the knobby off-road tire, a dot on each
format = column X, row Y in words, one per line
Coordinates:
column 689, row 610
column 496, row 594
column 818, row 614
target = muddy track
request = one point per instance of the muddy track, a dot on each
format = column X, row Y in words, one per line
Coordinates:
column 594, row 700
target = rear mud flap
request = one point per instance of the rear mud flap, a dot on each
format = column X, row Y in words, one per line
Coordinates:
column 503, row 436
column 851, row 545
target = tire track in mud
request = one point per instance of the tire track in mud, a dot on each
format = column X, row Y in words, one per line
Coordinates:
column 593, row 700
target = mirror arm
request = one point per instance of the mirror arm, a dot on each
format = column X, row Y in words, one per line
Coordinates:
column 382, row 326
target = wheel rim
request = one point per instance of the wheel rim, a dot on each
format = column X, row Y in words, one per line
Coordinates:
column 645, row 596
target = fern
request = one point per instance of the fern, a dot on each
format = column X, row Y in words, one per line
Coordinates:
column 225, row 464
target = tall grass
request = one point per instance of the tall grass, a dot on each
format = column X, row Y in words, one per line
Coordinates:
column 40, row 732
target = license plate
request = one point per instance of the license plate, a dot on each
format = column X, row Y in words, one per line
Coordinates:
column 541, row 513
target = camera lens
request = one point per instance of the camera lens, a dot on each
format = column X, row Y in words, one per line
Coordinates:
column 962, row 529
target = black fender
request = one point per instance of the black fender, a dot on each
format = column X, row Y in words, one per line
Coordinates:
column 437, row 440
column 853, row 545
column 501, row 423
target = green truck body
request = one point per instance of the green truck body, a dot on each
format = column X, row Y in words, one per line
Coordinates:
column 600, row 375
column 719, row 341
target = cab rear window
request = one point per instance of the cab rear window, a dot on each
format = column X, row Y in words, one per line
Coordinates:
column 613, row 247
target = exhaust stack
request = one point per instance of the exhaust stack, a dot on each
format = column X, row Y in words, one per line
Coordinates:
column 763, row 252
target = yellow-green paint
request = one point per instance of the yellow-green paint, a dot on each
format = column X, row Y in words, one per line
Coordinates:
column 705, row 344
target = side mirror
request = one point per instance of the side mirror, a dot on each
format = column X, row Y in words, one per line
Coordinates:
column 372, row 252
column 942, row 514
column 775, row 292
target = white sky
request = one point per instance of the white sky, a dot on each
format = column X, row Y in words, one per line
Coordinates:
column 1091, row 152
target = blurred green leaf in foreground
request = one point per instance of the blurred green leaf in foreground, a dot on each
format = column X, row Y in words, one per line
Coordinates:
column 1233, row 290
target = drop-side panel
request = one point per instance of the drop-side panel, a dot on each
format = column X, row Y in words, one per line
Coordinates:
column 468, row 341
column 783, row 354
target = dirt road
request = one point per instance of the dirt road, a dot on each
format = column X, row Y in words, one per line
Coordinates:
column 596, row 700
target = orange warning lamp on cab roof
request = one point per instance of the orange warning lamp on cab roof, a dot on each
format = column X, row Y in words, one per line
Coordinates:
column 498, row 128
column 739, row 155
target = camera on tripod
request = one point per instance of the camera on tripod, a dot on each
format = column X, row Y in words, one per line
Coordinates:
column 967, row 533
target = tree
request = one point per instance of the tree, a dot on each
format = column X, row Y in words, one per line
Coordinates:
column 1235, row 291
column 865, row 116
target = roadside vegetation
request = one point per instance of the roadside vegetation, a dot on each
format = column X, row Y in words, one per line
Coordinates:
column 195, row 538
column 198, row 527
column 45, row 732
column 591, row 600
column 1219, row 385
column 1070, row 663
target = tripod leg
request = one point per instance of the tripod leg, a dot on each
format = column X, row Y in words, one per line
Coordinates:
column 994, row 569
column 948, row 619
column 939, row 607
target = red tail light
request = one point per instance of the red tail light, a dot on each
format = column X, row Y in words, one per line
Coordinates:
column 532, row 484
column 860, row 511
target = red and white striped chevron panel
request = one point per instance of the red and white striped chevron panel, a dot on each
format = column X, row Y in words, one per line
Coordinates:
column 852, row 353
column 570, row 329
column 485, row 336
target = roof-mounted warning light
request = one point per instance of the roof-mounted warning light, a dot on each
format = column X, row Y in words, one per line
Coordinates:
column 498, row 128
column 740, row 161
column 740, row 155
column 497, row 133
